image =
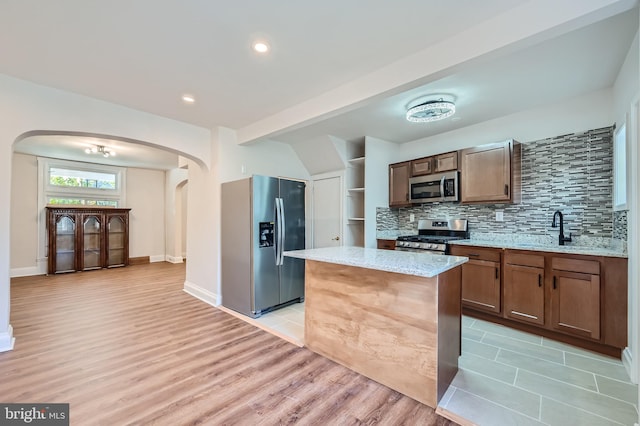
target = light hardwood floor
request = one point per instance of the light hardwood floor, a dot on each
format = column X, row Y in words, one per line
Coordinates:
column 128, row 346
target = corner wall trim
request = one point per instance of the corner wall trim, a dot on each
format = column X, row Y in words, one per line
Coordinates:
column 174, row 259
column 200, row 293
column 7, row 340
column 627, row 361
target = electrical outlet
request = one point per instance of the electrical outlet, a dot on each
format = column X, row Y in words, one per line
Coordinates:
column 499, row 216
column 412, row 217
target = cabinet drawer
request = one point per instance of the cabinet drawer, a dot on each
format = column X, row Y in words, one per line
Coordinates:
column 387, row 244
column 513, row 258
column 478, row 253
column 422, row 166
column 576, row 265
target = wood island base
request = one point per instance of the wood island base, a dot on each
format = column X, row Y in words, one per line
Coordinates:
column 402, row 331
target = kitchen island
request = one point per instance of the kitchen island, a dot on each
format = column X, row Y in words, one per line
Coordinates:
column 391, row 316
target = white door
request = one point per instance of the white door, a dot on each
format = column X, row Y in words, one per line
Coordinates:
column 327, row 209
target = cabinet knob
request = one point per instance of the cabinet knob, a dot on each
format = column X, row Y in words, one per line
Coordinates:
column 336, row 238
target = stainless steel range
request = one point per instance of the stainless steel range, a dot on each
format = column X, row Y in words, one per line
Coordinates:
column 434, row 235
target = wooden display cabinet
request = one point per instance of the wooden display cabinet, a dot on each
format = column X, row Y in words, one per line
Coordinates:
column 85, row 238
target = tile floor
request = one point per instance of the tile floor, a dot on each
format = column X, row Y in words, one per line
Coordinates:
column 508, row 377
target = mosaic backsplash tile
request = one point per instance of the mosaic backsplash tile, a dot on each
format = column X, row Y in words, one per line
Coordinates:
column 571, row 173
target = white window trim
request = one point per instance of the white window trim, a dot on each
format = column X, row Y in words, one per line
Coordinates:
column 45, row 190
column 618, row 206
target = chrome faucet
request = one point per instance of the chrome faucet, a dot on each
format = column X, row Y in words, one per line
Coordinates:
column 561, row 238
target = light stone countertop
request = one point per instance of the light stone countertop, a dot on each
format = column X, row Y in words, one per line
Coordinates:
column 567, row 249
column 401, row 262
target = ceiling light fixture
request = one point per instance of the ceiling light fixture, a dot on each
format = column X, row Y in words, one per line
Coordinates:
column 260, row 47
column 188, row 99
column 101, row 149
column 431, row 110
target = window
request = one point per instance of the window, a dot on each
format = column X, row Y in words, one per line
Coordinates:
column 620, row 169
column 83, row 184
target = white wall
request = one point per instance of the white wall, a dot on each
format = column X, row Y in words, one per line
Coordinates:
column 145, row 197
column 175, row 214
column 24, row 215
column 268, row 158
column 627, row 83
column 376, row 183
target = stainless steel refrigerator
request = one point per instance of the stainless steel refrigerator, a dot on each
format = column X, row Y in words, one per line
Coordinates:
column 261, row 218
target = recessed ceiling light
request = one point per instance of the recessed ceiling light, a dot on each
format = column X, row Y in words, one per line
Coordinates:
column 188, row 99
column 260, row 47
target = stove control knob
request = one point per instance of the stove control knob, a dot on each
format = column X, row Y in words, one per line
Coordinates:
column 416, row 245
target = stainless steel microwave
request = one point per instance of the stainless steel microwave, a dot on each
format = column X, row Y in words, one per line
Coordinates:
column 433, row 188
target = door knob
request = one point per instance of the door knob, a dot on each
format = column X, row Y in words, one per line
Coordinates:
column 335, row 239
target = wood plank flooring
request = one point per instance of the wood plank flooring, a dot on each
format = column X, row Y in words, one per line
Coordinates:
column 128, row 346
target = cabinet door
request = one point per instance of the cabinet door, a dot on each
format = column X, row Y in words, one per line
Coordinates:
column 117, row 240
column 575, row 303
column 524, row 293
column 486, row 173
column 446, row 162
column 422, row 166
column 92, row 243
column 399, row 184
column 481, row 285
column 64, row 244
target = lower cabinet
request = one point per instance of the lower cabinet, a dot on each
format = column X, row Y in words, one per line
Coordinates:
column 524, row 287
column 480, row 278
column 578, row 299
column 575, row 297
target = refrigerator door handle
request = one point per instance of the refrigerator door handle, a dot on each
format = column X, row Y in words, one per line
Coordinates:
column 279, row 239
column 276, row 240
column 282, row 232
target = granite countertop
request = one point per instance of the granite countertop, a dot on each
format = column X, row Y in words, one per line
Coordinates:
column 401, row 262
column 538, row 246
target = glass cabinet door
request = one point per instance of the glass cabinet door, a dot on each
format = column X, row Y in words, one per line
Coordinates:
column 116, row 230
column 65, row 242
column 92, row 242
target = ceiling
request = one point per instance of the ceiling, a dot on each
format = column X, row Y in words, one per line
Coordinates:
column 148, row 53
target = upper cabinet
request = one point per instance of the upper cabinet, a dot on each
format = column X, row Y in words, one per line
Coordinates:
column 491, row 173
column 399, row 184
column 445, row 162
column 422, row 166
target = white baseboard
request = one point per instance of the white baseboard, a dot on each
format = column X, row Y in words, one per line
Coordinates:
column 7, row 340
column 201, row 293
column 174, row 259
column 26, row 272
column 157, row 258
column 627, row 361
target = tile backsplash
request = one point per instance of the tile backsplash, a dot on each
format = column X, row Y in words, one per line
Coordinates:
column 571, row 173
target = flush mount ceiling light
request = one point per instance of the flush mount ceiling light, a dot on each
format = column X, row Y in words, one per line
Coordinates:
column 101, row 149
column 189, row 99
column 260, row 47
column 431, row 108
